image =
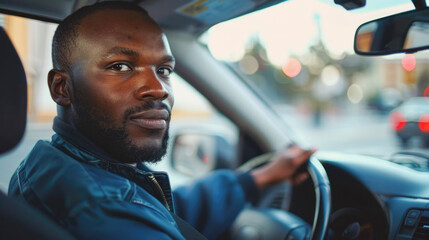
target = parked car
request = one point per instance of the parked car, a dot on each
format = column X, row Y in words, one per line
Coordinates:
column 249, row 86
column 411, row 119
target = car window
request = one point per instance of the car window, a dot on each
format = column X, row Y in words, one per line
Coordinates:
column 298, row 56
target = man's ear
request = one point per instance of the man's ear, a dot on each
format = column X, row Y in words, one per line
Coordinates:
column 59, row 86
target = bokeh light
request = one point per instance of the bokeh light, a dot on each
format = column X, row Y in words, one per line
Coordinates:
column 424, row 123
column 292, row 68
column 397, row 121
column 330, row 75
column 355, row 93
column 426, row 92
column 249, row 64
column 408, row 62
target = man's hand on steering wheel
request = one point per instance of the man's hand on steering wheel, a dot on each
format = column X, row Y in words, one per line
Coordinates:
column 288, row 164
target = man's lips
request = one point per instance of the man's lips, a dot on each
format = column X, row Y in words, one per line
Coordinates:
column 154, row 119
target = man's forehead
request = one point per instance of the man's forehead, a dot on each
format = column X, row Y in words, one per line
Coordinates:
column 111, row 10
column 113, row 19
column 111, row 32
column 114, row 26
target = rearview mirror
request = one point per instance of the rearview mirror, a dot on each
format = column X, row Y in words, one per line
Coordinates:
column 406, row 32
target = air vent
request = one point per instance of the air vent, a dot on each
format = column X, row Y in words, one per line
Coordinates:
column 422, row 231
column 277, row 200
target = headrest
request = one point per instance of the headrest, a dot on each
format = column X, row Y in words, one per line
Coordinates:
column 13, row 95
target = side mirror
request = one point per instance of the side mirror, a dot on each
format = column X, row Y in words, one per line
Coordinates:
column 406, row 32
column 195, row 154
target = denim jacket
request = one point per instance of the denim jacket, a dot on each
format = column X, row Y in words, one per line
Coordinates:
column 96, row 197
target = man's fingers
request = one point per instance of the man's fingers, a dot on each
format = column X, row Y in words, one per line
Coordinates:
column 300, row 178
column 303, row 157
column 289, row 164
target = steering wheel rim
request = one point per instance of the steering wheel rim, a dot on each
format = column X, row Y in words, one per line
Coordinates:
column 322, row 191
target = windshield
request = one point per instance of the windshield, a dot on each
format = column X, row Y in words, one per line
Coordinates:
column 298, row 56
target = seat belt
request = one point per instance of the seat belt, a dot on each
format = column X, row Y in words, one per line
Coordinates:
column 187, row 230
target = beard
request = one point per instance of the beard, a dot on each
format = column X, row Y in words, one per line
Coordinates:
column 115, row 140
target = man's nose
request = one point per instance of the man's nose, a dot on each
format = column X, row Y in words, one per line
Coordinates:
column 151, row 86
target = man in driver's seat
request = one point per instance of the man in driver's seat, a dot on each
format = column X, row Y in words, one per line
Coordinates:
column 110, row 80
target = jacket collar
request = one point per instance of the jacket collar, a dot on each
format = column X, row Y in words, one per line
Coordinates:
column 69, row 133
column 73, row 136
column 71, row 141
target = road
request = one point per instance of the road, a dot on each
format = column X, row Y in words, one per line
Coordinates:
column 362, row 133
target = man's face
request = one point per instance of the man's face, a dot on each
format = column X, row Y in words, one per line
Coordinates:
column 122, row 96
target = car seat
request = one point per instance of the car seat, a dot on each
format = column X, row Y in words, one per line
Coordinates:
column 17, row 219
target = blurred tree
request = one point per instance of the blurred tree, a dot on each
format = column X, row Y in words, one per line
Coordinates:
column 272, row 84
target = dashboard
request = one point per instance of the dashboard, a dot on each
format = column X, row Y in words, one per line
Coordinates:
column 375, row 199
column 372, row 199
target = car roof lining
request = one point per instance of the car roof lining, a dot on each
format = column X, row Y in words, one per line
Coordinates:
column 166, row 12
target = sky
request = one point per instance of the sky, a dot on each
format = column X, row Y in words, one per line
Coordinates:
column 291, row 27
column 373, row 5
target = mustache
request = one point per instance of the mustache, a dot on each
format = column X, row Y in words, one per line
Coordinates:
column 147, row 106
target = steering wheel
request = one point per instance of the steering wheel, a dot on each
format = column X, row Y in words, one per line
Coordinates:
column 322, row 192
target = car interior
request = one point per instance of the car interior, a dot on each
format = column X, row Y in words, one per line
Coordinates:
column 348, row 195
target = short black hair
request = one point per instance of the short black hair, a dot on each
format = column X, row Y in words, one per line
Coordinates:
column 67, row 31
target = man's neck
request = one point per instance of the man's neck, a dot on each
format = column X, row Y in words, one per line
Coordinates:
column 72, row 135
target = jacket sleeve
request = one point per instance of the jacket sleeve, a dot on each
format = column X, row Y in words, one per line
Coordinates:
column 211, row 204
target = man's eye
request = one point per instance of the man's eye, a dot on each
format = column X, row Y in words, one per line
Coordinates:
column 121, row 67
column 165, row 72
